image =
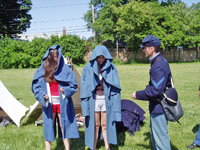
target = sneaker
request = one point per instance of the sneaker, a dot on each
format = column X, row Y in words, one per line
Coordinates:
column 192, row 146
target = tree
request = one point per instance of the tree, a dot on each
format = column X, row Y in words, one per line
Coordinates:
column 14, row 17
column 73, row 47
column 195, row 28
column 105, row 24
column 169, row 2
column 179, row 31
column 133, row 23
column 133, row 20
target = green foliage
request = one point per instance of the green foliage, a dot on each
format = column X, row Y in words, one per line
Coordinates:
column 130, row 62
column 73, row 47
column 13, row 54
column 14, row 17
column 171, row 21
column 131, row 26
column 22, row 54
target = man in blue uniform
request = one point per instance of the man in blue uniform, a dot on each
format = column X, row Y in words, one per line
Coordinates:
column 160, row 75
column 196, row 142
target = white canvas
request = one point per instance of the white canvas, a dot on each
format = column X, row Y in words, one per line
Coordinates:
column 13, row 108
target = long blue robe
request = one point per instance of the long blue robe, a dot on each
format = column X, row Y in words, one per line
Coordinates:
column 66, row 79
column 89, row 81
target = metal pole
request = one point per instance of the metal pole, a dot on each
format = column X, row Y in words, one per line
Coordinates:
column 93, row 21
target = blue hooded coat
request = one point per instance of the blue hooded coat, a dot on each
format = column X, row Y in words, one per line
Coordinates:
column 66, row 79
column 89, row 81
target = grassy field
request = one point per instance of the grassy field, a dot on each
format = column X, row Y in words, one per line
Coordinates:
column 132, row 78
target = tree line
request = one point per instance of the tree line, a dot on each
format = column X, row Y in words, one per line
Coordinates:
column 171, row 21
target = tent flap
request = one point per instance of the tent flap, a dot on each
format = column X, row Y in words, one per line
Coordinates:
column 12, row 107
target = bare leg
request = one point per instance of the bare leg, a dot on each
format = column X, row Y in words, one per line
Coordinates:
column 97, row 125
column 104, row 129
column 65, row 141
column 48, row 145
column 54, row 116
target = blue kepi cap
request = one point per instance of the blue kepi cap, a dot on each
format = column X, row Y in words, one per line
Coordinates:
column 150, row 40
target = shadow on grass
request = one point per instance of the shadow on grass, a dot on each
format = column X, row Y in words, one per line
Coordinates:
column 79, row 143
column 173, row 147
column 18, row 99
column 148, row 137
column 120, row 142
column 75, row 144
column 121, row 136
column 195, row 129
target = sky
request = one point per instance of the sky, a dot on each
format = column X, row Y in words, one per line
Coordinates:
column 51, row 16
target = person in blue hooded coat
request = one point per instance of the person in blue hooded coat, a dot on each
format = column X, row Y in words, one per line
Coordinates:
column 53, row 70
column 100, row 98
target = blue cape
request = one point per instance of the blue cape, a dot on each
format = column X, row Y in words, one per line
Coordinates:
column 89, row 81
column 109, row 72
column 67, row 80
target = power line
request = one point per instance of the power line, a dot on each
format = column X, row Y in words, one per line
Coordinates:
column 59, row 27
column 61, row 6
column 60, row 31
column 55, row 32
column 47, row 21
column 49, row 6
column 57, row 20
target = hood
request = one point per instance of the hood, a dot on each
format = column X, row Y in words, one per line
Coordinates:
column 62, row 73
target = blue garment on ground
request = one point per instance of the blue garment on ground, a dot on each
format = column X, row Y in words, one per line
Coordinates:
column 89, row 81
column 66, row 79
column 132, row 116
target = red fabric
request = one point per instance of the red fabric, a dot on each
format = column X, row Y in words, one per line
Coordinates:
column 56, row 108
column 54, row 88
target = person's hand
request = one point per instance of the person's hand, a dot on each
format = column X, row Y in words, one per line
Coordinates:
column 134, row 95
column 46, row 97
column 62, row 90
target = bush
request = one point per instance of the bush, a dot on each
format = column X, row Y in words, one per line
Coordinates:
column 22, row 54
column 73, row 47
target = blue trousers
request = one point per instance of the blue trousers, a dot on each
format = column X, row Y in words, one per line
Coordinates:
column 159, row 132
column 197, row 139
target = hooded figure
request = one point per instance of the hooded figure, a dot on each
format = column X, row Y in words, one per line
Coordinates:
column 67, row 81
column 90, row 80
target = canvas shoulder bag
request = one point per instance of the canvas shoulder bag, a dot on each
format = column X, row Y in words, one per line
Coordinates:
column 171, row 104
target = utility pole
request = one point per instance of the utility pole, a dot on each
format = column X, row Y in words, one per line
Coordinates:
column 117, row 47
column 93, row 21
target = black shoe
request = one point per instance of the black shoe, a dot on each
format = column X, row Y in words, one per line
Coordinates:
column 192, row 146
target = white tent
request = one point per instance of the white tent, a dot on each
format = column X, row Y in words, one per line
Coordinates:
column 11, row 107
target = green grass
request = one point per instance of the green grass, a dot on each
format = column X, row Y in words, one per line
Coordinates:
column 132, row 78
